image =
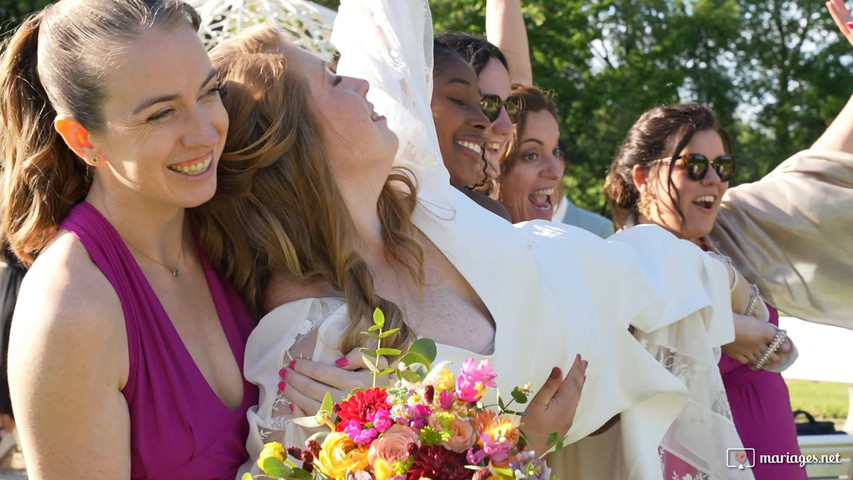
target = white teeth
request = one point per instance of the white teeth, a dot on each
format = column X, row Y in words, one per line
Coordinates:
column 470, row 145
column 544, row 192
column 193, row 169
column 705, row 198
column 493, row 145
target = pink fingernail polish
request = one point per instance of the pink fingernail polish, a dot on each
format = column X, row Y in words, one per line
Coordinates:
column 850, row 25
column 292, row 408
column 281, row 386
column 292, row 364
column 282, row 373
column 342, row 362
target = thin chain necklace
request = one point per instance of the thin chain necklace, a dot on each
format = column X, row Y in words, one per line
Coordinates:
column 175, row 271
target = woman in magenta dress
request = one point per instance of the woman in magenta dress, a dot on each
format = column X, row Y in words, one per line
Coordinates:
column 126, row 351
column 672, row 170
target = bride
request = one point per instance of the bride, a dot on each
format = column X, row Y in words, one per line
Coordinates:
column 326, row 209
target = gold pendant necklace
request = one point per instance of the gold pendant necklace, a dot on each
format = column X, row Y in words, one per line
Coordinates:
column 175, row 271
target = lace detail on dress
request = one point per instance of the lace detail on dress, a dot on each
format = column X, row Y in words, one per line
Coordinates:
column 694, row 446
column 273, row 420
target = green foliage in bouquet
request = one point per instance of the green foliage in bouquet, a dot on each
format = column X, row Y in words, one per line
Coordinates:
column 430, row 424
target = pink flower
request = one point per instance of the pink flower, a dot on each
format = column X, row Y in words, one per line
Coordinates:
column 358, row 434
column 496, row 449
column 381, row 420
column 445, row 399
column 473, row 380
column 413, row 416
column 393, row 445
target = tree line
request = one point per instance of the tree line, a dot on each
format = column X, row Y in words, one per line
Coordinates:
column 776, row 71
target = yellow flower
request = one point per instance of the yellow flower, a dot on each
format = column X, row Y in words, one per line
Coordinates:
column 272, row 449
column 441, row 379
column 340, row 454
column 382, row 470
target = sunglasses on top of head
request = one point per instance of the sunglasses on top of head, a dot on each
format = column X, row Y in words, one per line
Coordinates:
column 491, row 106
column 696, row 165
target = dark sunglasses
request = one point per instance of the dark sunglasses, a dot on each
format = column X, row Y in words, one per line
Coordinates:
column 696, row 166
column 491, row 106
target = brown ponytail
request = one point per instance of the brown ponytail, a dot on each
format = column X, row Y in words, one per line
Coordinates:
column 54, row 64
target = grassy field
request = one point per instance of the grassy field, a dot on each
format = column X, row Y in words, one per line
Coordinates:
column 824, row 400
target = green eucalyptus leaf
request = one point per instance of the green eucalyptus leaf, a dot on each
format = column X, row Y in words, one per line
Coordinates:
column 275, row 468
column 388, row 333
column 387, row 351
column 307, row 422
column 415, row 372
column 371, row 335
column 426, row 348
column 518, row 395
column 319, row 436
column 374, row 328
column 502, row 471
column 299, row 474
column 328, row 404
column 386, row 371
column 370, row 364
column 378, row 317
column 552, row 437
column 246, row 476
column 368, row 352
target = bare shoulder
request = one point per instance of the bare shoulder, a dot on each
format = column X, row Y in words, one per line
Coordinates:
column 65, row 299
column 68, row 363
column 282, row 289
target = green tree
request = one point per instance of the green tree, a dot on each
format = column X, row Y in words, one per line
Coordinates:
column 607, row 61
column 12, row 12
column 793, row 76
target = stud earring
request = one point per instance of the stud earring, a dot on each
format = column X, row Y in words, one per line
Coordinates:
column 95, row 160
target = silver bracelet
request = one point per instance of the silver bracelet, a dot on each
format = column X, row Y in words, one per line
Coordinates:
column 753, row 300
column 780, row 337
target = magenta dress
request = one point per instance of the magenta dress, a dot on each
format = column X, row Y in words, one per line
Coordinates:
column 761, row 408
column 179, row 428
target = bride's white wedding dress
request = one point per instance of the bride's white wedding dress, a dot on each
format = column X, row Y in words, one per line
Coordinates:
column 553, row 291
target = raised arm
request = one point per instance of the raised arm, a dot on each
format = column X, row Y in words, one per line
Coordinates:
column 839, row 135
column 505, row 29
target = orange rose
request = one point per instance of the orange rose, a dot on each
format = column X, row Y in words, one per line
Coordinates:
column 463, row 436
column 339, row 454
column 393, row 445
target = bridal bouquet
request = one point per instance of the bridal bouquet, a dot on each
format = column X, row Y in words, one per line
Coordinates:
column 429, row 425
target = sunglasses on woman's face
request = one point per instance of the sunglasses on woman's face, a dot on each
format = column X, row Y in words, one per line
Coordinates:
column 696, row 166
column 491, row 106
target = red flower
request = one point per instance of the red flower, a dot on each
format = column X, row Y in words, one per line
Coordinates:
column 362, row 405
column 438, row 462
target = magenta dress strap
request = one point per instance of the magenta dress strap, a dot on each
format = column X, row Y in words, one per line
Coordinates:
column 180, row 429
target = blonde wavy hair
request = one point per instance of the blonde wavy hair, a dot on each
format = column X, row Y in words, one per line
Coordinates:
column 277, row 208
